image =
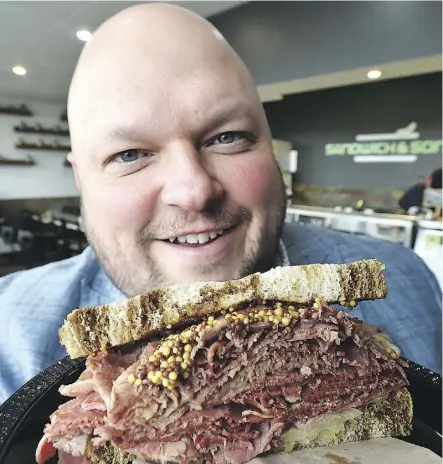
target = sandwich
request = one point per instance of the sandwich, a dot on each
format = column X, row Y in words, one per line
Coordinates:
column 222, row 372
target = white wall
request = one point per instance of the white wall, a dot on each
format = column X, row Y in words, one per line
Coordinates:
column 48, row 177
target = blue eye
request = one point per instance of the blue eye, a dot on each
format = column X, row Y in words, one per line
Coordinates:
column 229, row 137
column 129, row 156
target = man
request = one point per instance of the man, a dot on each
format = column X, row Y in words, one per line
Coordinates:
column 172, row 155
column 414, row 195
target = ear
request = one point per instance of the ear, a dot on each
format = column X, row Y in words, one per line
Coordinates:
column 72, row 160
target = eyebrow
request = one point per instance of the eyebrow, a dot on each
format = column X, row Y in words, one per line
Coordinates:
column 129, row 132
column 213, row 119
column 225, row 115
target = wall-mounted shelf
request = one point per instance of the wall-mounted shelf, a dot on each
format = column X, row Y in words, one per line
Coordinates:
column 21, row 110
column 41, row 145
column 39, row 129
column 28, row 161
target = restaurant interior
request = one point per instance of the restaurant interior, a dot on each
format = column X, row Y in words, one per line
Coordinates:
column 356, row 123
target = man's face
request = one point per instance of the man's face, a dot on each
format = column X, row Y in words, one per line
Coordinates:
column 177, row 177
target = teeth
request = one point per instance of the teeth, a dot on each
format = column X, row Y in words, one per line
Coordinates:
column 197, row 238
column 192, row 238
column 203, row 238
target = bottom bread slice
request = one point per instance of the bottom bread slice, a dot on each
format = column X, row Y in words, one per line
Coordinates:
column 390, row 416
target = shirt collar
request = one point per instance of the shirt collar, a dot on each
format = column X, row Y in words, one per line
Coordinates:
column 282, row 255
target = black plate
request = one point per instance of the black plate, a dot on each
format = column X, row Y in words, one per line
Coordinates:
column 23, row 416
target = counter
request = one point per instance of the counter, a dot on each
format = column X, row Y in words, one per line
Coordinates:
column 393, row 227
column 429, row 246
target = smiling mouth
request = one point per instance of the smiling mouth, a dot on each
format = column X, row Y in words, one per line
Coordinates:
column 198, row 240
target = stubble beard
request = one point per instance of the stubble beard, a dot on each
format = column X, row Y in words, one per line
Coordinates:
column 133, row 277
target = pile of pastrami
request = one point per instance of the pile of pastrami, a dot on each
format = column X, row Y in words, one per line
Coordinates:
column 225, row 390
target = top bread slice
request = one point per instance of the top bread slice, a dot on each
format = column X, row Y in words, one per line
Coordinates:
column 99, row 328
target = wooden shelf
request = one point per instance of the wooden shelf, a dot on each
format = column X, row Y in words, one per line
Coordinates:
column 38, row 129
column 21, row 110
column 4, row 161
column 42, row 146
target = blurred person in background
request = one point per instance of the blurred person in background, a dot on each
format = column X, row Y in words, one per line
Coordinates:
column 414, row 195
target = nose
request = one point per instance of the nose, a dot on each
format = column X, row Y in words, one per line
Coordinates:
column 190, row 184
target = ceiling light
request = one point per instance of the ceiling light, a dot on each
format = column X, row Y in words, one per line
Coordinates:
column 84, row 36
column 19, row 70
column 374, row 74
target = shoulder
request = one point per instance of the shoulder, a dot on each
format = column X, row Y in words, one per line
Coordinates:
column 46, row 293
column 416, row 188
column 411, row 313
column 33, row 305
column 309, row 244
column 310, row 241
column 45, row 282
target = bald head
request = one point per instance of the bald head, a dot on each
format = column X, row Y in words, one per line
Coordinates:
column 151, row 46
column 171, row 149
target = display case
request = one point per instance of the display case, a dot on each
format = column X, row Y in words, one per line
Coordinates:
column 429, row 246
column 393, row 227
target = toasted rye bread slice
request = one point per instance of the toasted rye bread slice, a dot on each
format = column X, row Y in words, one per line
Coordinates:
column 390, row 416
column 101, row 327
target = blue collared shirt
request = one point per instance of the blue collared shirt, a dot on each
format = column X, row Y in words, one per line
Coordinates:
column 34, row 303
